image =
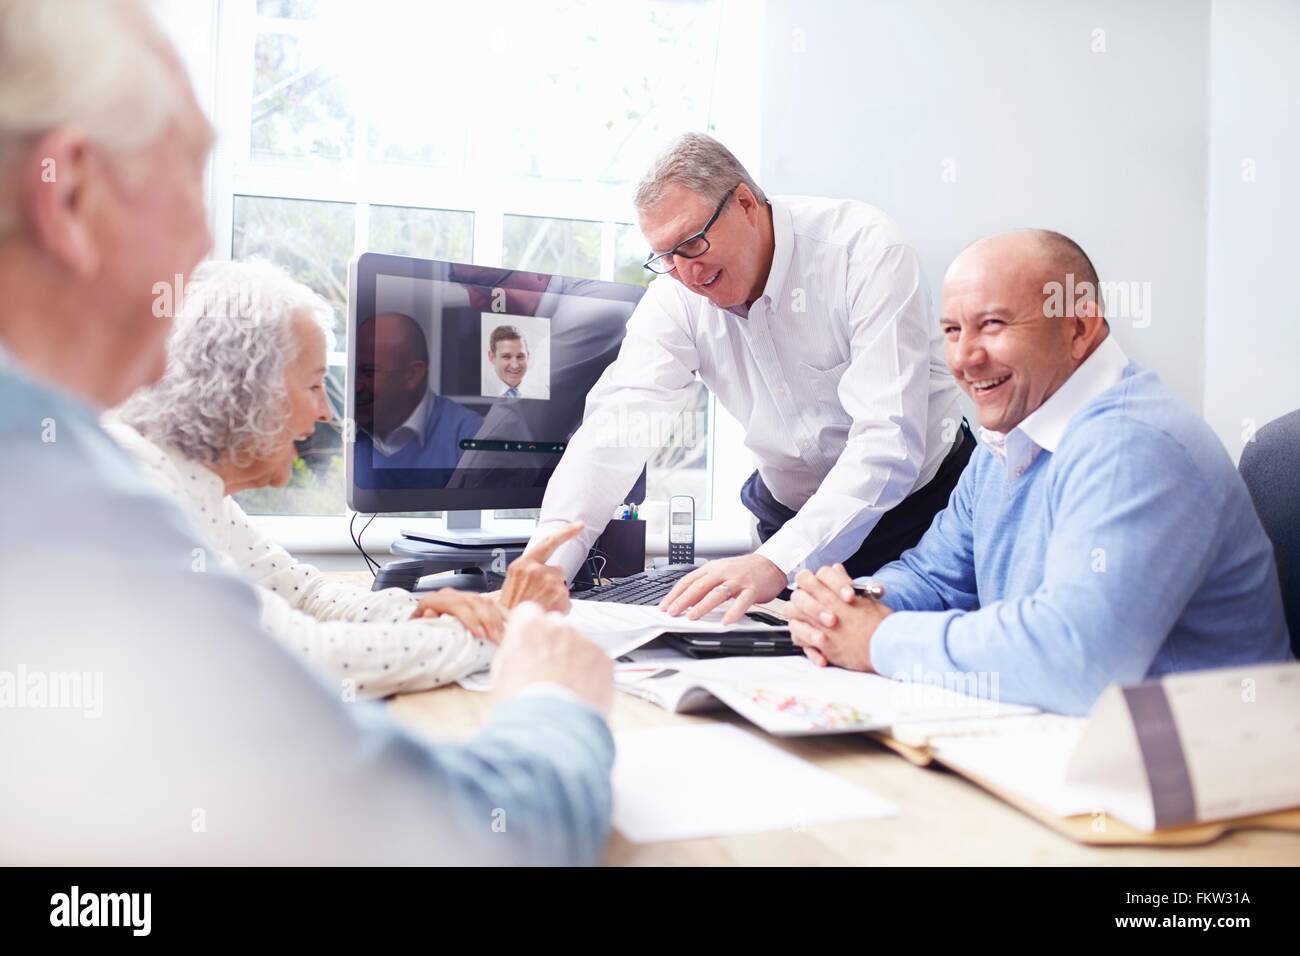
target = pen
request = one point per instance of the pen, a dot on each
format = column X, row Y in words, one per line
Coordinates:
column 869, row 590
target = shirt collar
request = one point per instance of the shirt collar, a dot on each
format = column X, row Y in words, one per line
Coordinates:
column 414, row 426
column 996, row 442
column 1045, row 426
column 782, row 249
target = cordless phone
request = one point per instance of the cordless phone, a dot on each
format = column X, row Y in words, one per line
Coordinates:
column 681, row 529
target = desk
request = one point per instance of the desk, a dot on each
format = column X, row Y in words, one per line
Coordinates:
column 942, row 818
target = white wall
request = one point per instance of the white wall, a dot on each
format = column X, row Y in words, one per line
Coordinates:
column 1252, row 339
column 876, row 99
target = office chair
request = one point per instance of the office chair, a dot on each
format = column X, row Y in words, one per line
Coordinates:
column 1270, row 466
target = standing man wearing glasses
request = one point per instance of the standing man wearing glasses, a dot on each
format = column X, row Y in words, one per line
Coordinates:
column 809, row 320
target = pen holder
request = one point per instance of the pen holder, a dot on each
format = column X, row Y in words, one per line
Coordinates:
column 622, row 544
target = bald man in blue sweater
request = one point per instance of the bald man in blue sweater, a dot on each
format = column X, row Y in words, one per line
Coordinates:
column 1101, row 534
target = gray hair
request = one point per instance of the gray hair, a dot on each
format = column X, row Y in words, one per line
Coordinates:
column 223, row 398
column 100, row 67
column 697, row 162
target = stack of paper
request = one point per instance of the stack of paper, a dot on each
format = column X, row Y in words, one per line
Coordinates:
column 619, row 628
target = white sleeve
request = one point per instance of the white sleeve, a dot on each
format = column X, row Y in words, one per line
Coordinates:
column 628, row 411
column 305, row 587
column 367, row 660
column 886, row 389
column 362, row 641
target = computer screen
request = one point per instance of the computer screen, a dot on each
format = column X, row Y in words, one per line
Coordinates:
column 466, row 382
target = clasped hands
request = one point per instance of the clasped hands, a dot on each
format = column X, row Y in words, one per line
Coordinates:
column 832, row 623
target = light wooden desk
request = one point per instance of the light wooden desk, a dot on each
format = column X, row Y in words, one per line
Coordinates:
column 942, row 818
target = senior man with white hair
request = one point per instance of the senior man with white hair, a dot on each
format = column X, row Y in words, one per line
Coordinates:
column 809, row 320
column 162, row 725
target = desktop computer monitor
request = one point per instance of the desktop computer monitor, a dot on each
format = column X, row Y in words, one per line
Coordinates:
column 466, row 382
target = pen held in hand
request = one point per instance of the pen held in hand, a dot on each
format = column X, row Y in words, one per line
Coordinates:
column 870, row 590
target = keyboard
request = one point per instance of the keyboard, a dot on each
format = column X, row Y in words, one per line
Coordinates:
column 648, row 587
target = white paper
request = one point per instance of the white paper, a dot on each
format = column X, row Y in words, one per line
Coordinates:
column 618, row 629
column 666, row 685
column 1024, row 755
column 608, row 616
column 683, row 783
column 1227, row 746
column 1240, row 733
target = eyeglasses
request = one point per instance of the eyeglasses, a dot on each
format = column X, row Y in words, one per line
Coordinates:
column 689, row 248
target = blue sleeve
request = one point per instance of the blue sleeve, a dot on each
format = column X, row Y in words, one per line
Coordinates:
column 939, row 573
column 542, row 766
column 225, row 750
column 1127, row 550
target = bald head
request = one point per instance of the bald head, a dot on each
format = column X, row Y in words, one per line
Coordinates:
column 399, row 338
column 1021, row 312
column 392, row 371
column 1062, row 257
column 1036, row 257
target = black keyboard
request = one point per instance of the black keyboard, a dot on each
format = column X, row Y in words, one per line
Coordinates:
column 648, row 587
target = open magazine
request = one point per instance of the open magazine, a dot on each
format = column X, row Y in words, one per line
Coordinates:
column 792, row 696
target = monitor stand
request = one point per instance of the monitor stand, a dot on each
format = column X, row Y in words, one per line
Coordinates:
column 478, row 557
column 464, row 529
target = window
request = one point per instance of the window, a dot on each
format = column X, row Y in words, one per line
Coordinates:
column 427, row 233
column 454, row 138
column 568, row 247
column 312, row 240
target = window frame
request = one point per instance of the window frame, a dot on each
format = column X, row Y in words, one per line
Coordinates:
column 224, row 31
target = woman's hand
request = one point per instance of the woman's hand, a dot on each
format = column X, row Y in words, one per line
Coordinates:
column 530, row 578
column 480, row 614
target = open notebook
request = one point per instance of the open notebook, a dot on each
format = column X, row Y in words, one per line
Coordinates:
column 1022, row 754
column 1177, row 760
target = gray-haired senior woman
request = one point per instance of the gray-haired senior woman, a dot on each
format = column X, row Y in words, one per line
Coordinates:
column 244, row 381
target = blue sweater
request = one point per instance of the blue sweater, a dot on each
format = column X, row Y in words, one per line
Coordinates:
column 202, row 709
column 1132, row 551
